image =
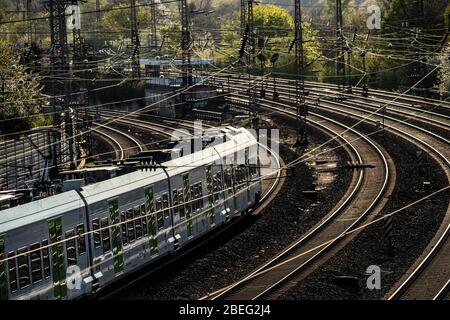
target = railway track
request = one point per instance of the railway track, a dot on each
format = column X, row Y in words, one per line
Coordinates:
column 165, row 127
column 123, row 143
column 359, row 205
column 431, row 274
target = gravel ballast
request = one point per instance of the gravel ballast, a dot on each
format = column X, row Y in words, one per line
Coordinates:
column 284, row 220
column 412, row 229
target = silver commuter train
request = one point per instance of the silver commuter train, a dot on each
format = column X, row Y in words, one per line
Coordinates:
column 72, row 244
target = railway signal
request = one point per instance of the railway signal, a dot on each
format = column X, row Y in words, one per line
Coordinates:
column 365, row 88
column 273, row 60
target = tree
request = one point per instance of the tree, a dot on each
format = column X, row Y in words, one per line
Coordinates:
column 276, row 25
column 273, row 20
column 348, row 11
column 20, row 96
column 115, row 23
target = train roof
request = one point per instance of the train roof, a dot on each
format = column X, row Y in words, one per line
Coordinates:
column 70, row 200
column 42, row 209
column 114, row 187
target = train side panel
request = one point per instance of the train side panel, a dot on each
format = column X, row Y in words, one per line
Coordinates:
column 36, row 268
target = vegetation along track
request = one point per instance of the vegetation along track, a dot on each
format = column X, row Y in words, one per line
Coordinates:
column 430, row 274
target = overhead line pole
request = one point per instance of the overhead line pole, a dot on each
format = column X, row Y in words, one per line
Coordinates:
column 340, row 52
column 135, row 42
column 300, row 93
column 186, row 53
column 59, row 58
column 153, row 37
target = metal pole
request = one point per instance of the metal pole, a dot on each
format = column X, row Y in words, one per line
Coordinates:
column 251, row 26
column 153, row 37
column 340, row 52
column 135, row 42
column 302, row 111
column 98, row 23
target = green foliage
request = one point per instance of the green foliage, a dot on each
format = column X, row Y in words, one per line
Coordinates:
column 348, row 10
column 172, row 33
column 115, row 24
column 273, row 20
column 19, row 92
column 277, row 26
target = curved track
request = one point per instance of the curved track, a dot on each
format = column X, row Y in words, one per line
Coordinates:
column 359, row 205
column 166, row 127
column 428, row 276
column 123, row 143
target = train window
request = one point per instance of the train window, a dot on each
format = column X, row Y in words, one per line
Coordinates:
column 130, row 225
column 105, row 235
column 46, row 258
column 180, row 203
column 123, row 225
column 175, row 201
column 228, row 179
column 217, row 186
column 12, row 272
column 137, row 222
column 36, row 267
column 165, row 205
column 144, row 220
column 253, row 170
column 159, row 214
column 70, row 248
column 81, row 241
column 199, row 196
column 24, row 268
column 95, row 227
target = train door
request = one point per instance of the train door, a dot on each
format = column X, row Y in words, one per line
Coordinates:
column 151, row 220
column 210, row 188
column 247, row 175
column 117, row 251
column 187, row 205
column 3, row 283
column 57, row 258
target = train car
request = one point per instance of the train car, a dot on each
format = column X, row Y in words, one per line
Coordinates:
column 112, row 228
column 29, row 267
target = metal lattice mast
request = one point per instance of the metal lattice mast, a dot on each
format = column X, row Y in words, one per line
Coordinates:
column 79, row 99
column 29, row 22
column 340, row 49
column 78, row 43
column 185, row 44
column 135, row 42
column 98, row 20
column 243, row 17
column 418, row 24
column 153, row 37
column 252, row 36
column 185, row 55
column 59, row 58
column 300, row 99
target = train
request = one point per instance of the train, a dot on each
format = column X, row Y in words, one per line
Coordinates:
column 76, row 243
